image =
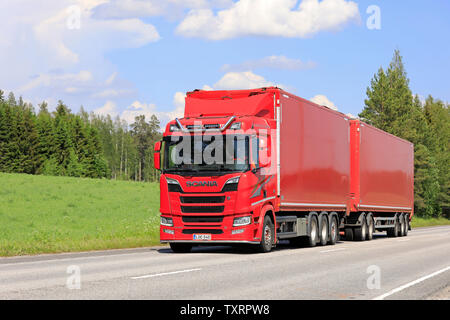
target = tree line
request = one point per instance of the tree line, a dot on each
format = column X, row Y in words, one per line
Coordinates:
column 62, row 143
column 392, row 107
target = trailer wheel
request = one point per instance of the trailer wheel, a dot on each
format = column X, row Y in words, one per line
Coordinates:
column 393, row 232
column 402, row 229
column 334, row 231
column 268, row 234
column 370, row 227
column 181, row 247
column 349, row 234
column 406, row 224
column 361, row 232
column 323, row 236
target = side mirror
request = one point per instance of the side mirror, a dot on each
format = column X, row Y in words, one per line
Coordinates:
column 157, row 156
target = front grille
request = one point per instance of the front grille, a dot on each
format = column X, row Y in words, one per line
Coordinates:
column 203, row 219
column 202, row 231
column 204, row 209
column 202, row 199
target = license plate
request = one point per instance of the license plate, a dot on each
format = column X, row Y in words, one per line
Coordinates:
column 202, row 237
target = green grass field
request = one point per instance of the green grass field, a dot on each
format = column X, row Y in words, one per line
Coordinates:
column 40, row 214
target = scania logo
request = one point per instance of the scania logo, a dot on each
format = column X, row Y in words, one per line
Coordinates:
column 201, row 184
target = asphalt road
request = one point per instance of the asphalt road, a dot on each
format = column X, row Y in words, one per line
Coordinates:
column 415, row 267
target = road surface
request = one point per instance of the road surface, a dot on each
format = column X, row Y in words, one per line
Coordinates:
column 415, row 267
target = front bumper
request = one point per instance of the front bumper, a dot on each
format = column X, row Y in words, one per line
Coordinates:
column 223, row 232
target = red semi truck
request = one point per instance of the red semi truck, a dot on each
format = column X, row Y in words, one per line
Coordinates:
column 260, row 166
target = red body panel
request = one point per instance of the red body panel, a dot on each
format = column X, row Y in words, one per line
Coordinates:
column 383, row 172
column 315, row 163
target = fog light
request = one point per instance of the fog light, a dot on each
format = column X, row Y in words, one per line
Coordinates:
column 169, row 231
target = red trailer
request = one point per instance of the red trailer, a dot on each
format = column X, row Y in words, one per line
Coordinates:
column 258, row 166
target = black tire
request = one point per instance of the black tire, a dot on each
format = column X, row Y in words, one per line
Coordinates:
column 334, row 231
column 370, row 227
column 402, row 228
column 323, row 235
column 406, row 216
column 361, row 232
column 181, row 247
column 349, row 234
column 267, row 236
column 313, row 238
column 393, row 232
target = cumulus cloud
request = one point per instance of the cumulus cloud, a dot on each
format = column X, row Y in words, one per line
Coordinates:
column 271, row 62
column 324, row 101
column 269, row 18
column 138, row 108
column 56, row 48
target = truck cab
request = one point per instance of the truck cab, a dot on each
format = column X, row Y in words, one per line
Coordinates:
column 217, row 180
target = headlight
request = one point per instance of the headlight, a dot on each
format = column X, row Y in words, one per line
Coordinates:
column 242, row 221
column 233, row 180
column 168, row 222
column 174, row 185
column 172, row 181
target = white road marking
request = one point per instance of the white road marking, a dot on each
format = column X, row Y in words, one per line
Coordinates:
column 332, row 250
column 410, row 284
column 404, row 240
column 164, row 274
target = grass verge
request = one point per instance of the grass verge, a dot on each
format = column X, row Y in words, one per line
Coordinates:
column 418, row 222
column 40, row 214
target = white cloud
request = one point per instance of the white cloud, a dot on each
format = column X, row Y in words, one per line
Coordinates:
column 42, row 56
column 324, row 101
column 115, row 9
column 242, row 80
column 110, row 108
column 271, row 62
column 138, row 108
column 281, row 18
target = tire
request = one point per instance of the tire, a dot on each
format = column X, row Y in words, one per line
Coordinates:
column 181, row 247
column 323, row 235
column 334, row 232
column 393, row 232
column 361, row 232
column 313, row 238
column 268, row 235
column 406, row 224
column 402, row 228
column 349, row 234
column 370, row 227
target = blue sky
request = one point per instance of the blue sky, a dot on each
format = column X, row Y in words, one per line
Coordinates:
column 133, row 56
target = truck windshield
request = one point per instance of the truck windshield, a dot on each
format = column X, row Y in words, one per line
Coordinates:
column 200, row 154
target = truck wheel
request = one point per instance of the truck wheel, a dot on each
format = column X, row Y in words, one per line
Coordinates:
column 401, row 231
column 334, row 232
column 370, row 227
column 393, row 232
column 323, row 236
column 268, row 234
column 361, row 232
column 406, row 224
column 349, row 235
column 181, row 247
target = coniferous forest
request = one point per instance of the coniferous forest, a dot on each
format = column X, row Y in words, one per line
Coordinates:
column 62, row 143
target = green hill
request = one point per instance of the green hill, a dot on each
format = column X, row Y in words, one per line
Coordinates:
column 41, row 214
